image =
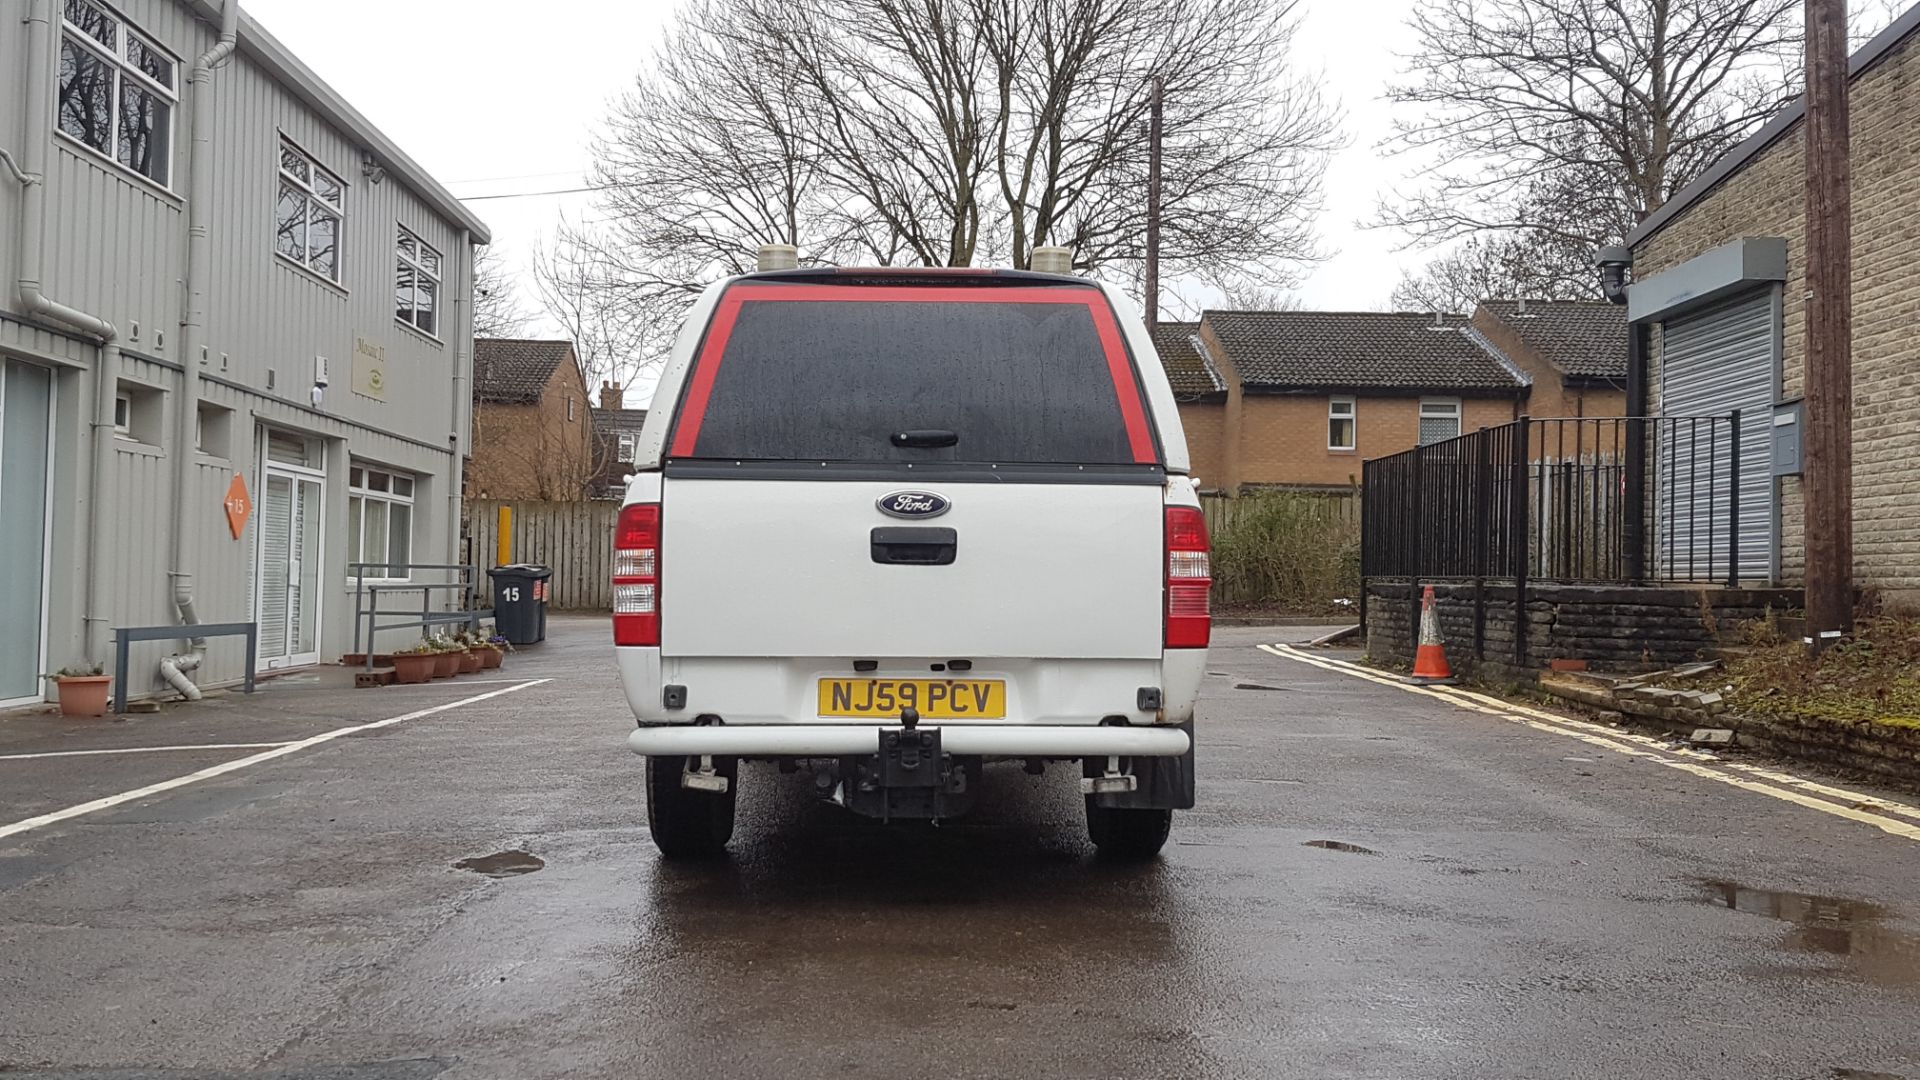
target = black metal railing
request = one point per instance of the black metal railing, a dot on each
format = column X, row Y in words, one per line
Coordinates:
column 1562, row 500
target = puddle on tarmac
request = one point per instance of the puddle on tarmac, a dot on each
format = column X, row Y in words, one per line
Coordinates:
column 1854, row 929
column 1341, row 845
column 1256, row 686
column 502, row 863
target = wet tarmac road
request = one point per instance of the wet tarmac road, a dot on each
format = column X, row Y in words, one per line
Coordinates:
column 1376, row 884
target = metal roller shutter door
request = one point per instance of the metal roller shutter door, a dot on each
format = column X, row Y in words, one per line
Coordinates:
column 1714, row 362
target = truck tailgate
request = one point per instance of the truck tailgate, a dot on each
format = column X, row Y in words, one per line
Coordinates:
column 786, row 568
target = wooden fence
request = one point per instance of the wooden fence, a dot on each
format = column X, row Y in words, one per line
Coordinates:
column 575, row 538
column 1222, row 511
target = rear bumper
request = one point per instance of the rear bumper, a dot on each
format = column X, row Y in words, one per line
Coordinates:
column 852, row 740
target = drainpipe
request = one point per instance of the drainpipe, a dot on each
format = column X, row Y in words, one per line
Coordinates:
column 32, row 171
column 193, row 334
column 462, row 356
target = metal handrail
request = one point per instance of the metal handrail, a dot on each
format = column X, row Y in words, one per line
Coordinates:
column 124, row 636
column 366, row 601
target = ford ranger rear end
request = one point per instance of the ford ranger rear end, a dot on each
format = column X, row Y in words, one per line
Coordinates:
column 890, row 527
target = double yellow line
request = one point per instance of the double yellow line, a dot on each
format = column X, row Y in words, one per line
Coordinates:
column 1883, row 814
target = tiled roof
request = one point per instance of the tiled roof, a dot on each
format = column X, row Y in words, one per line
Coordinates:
column 514, row 371
column 1325, row 350
column 613, row 421
column 1186, row 369
column 1583, row 338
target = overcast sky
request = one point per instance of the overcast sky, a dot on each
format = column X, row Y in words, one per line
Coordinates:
column 502, row 96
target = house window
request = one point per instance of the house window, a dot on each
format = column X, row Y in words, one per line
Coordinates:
column 307, row 215
column 379, row 523
column 1340, row 418
column 1439, row 420
column 117, row 90
column 628, row 445
column 416, row 285
column 123, row 415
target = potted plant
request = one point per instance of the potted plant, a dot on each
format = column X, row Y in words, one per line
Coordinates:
column 493, row 651
column 446, row 657
column 83, row 690
column 416, row 663
column 469, row 645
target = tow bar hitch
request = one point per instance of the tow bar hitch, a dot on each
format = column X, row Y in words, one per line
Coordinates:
column 1110, row 782
column 703, row 777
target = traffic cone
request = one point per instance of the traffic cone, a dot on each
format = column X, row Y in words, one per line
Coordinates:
column 1430, row 661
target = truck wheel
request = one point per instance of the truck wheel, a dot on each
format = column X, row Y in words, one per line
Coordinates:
column 1129, row 833
column 685, row 823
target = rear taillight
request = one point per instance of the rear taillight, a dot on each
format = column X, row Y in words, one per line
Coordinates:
column 636, row 575
column 1189, row 577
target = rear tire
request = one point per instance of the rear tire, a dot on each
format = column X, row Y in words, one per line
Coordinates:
column 1130, row 834
column 688, row 824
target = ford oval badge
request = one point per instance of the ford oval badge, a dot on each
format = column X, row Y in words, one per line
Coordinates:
column 913, row 504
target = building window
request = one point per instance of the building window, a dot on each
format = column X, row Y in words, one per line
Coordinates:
column 1439, row 420
column 117, row 90
column 416, row 285
column 307, row 215
column 123, row 415
column 379, row 523
column 1340, row 418
column 629, row 442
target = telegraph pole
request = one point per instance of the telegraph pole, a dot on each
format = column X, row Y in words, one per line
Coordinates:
column 1153, row 207
column 1828, row 476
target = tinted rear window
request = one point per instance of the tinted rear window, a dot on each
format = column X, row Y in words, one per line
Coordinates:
column 834, row 380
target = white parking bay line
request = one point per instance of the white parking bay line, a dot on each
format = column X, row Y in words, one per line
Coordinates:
column 1861, row 807
column 143, row 750
column 240, row 763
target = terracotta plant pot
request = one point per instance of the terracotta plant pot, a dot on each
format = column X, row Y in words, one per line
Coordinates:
column 490, row 657
column 446, row 665
column 83, row 695
column 469, row 661
column 414, row 667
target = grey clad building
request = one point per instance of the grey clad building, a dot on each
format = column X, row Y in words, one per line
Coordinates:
column 235, row 345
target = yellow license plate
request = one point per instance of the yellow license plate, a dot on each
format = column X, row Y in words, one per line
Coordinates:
column 934, row 699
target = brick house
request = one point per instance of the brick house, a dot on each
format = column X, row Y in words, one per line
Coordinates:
column 1299, row 399
column 1573, row 352
column 533, row 436
column 1717, row 296
column 616, row 439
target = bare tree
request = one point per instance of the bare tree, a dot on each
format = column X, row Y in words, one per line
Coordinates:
column 496, row 305
column 1868, row 17
column 1571, row 120
column 620, row 327
column 1505, row 266
column 955, row 132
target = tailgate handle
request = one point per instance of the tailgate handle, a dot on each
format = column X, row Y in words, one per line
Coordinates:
column 911, row 546
column 930, row 439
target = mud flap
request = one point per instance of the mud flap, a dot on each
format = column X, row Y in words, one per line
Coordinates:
column 1165, row 783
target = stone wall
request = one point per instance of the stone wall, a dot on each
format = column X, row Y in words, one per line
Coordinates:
column 1766, row 198
column 1612, row 628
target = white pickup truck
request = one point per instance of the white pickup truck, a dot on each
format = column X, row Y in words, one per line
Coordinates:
column 887, row 526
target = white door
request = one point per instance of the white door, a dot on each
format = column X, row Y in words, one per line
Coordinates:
column 26, row 401
column 292, row 509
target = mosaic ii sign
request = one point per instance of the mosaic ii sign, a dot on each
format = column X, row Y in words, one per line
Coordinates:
column 369, row 368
